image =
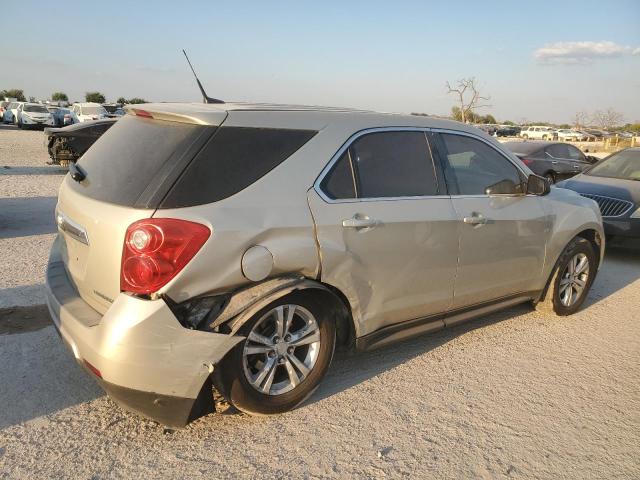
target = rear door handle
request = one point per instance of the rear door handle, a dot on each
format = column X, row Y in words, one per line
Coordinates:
column 360, row 222
column 475, row 219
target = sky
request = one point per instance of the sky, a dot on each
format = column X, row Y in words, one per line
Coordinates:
column 542, row 64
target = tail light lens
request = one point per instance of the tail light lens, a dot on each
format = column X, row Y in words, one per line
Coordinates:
column 527, row 161
column 156, row 249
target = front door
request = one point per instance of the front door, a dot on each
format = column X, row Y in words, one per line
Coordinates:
column 388, row 233
column 503, row 231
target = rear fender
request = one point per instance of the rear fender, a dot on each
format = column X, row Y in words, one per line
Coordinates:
column 245, row 303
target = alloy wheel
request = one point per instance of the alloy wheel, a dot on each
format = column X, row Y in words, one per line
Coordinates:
column 281, row 349
column 574, row 279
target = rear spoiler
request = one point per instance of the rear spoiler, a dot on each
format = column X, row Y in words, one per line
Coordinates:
column 165, row 112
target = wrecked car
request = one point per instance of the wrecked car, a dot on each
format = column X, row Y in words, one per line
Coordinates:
column 67, row 144
column 237, row 245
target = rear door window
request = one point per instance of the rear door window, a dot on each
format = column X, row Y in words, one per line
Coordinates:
column 383, row 165
column 393, row 164
column 233, row 159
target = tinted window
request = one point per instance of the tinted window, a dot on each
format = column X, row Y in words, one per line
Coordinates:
column 393, row 164
column 574, row 153
column 471, row 166
column 124, row 161
column 231, row 161
column 558, row 150
column 339, row 182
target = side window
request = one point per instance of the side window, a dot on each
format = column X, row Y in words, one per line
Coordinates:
column 393, row 164
column 340, row 183
column 575, row 154
column 472, row 166
column 558, row 150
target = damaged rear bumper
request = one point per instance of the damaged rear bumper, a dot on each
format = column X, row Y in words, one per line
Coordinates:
column 138, row 351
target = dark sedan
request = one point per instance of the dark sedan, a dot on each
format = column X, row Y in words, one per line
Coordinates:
column 614, row 183
column 553, row 160
column 67, row 144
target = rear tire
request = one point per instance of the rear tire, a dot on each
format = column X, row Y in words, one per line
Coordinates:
column 271, row 372
column 571, row 279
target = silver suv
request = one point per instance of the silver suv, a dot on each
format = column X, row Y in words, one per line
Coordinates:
column 236, row 245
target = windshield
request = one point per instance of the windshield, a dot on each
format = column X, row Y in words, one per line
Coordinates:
column 624, row 164
column 35, row 108
column 93, row 111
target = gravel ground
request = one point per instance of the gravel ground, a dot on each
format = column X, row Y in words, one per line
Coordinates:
column 518, row 394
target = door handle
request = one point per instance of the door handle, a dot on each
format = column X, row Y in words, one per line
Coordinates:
column 360, row 222
column 475, row 219
column 554, row 162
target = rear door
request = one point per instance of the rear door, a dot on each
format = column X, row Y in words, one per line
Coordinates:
column 128, row 171
column 502, row 234
column 561, row 160
column 387, row 230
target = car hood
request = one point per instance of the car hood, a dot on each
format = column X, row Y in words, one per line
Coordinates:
column 608, row 187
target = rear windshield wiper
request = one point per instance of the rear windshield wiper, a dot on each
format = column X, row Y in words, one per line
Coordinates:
column 77, row 173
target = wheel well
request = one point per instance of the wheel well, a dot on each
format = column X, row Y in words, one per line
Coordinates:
column 594, row 238
column 338, row 306
column 591, row 236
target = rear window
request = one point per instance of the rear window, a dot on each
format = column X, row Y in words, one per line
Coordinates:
column 233, row 159
column 133, row 157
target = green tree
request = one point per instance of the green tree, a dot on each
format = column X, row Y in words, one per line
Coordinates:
column 508, row 122
column 95, row 97
column 136, row 100
column 59, row 96
column 32, row 99
column 487, row 119
column 13, row 93
column 121, row 100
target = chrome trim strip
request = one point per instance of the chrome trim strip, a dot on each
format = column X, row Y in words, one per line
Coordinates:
column 73, row 229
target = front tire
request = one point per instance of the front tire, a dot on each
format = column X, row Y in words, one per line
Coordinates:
column 551, row 178
column 287, row 351
column 571, row 279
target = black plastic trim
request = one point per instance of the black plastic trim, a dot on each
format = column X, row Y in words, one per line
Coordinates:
column 432, row 323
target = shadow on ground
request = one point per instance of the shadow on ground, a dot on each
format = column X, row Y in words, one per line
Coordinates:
column 621, row 267
column 26, row 216
column 52, row 170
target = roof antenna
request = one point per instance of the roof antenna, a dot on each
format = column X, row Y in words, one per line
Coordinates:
column 205, row 98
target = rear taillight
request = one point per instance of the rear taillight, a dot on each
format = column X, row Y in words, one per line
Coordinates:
column 527, row 161
column 156, row 249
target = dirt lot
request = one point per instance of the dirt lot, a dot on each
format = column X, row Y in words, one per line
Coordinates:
column 517, row 394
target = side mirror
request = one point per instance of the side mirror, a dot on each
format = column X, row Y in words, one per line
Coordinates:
column 537, row 185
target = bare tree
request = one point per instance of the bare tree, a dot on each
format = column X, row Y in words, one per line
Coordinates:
column 469, row 97
column 580, row 119
column 607, row 119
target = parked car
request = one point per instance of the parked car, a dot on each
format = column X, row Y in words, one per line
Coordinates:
column 537, row 132
column 567, row 134
column 63, row 116
column 238, row 244
column 66, row 145
column 3, row 107
column 552, row 160
column 508, row 131
column 89, row 111
column 614, row 183
column 14, row 108
column 34, row 115
column 7, row 115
